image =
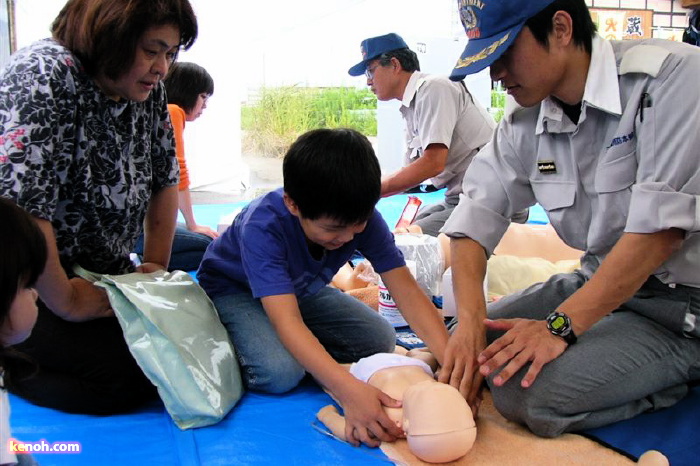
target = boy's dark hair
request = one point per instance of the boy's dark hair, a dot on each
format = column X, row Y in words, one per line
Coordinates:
column 407, row 58
column 184, row 82
column 583, row 26
column 104, row 33
column 333, row 173
column 24, row 253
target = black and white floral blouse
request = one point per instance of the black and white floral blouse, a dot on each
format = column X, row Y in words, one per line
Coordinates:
column 71, row 155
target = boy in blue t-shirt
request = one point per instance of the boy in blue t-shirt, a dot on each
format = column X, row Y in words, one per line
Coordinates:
column 268, row 276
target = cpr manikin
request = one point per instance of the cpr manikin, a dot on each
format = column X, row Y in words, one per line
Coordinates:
column 435, row 418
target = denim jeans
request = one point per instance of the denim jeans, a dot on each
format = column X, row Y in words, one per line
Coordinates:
column 347, row 328
column 187, row 251
column 631, row 361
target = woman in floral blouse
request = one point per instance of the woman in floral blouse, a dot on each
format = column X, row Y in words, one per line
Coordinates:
column 86, row 147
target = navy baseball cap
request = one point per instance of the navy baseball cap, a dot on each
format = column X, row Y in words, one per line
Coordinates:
column 375, row 46
column 491, row 26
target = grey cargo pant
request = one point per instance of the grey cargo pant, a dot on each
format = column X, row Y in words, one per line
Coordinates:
column 634, row 360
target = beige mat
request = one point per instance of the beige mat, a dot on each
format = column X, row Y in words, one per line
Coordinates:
column 503, row 443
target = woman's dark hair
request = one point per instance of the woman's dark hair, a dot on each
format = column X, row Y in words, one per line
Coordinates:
column 23, row 253
column 184, row 82
column 104, row 34
column 407, row 58
column 333, row 173
column 23, row 259
column 583, row 26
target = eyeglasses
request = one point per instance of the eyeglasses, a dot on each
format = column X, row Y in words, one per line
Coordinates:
column 369, row 72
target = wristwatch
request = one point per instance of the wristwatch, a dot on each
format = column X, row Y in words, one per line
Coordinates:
column 560, row 325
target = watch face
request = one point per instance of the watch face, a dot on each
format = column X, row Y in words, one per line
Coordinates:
column 558, row 323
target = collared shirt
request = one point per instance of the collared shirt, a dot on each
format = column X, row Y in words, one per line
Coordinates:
column 439, row 111
column 629, row 165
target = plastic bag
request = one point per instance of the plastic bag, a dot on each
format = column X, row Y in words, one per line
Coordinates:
column 175, row 335
column 366, row 272
column 425, row 250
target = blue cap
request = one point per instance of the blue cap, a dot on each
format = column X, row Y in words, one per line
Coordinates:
column 375, row 46
column 491, row 26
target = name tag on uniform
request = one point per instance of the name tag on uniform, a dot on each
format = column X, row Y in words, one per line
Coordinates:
column 546, row 166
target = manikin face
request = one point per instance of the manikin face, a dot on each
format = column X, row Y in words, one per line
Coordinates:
column 528, row 70
column 382, row 80
column 21, row 319
column 155, row 52
column 325, row 231
column 198, row 108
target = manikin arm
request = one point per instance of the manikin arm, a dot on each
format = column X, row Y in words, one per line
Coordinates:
column 331, row 418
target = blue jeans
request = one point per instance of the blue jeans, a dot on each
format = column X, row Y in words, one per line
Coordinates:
column 187, row 251
column 347, row 328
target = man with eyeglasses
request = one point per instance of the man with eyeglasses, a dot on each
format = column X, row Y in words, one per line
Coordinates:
column 445, row 125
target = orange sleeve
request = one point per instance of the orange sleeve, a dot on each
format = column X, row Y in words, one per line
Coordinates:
column 177, row 118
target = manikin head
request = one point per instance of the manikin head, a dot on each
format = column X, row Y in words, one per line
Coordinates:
column 438, row 422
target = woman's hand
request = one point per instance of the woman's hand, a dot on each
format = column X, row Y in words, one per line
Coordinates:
column 89, row 302
column 149, row 267
column 204, row 230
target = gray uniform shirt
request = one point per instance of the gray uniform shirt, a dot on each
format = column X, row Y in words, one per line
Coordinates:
column 631, row 164
column 439, row 111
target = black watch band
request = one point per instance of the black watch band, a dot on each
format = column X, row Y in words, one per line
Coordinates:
column 559, row 324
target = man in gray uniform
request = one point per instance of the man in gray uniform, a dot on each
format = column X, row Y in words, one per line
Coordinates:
column 607, row 142
column 445, row 126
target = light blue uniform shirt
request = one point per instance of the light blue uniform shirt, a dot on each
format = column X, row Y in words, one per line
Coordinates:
column 631, row 164
column 439, row 111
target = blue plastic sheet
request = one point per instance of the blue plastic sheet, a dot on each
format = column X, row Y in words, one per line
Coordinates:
column 672, row 431
column 261, row 430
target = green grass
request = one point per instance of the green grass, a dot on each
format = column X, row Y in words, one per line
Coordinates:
column 498, row 103
column 281, row 114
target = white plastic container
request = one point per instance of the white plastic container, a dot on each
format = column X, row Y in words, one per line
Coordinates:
column 387, row 307
column 449, row 306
